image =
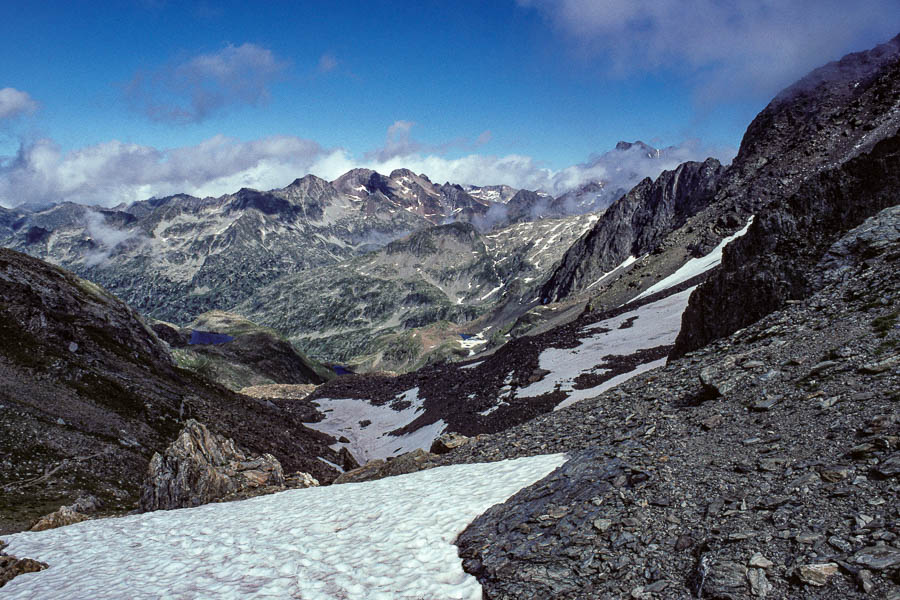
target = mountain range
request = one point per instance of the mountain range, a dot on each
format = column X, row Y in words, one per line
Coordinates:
column 717, row 351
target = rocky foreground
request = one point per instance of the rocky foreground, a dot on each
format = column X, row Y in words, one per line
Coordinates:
column 766, row 464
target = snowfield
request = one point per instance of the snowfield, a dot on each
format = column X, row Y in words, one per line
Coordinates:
column 652, row 325
column 368, row 426
column 380, row 540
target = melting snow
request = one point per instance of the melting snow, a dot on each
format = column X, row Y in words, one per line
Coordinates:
column 344, row 415
column 695, row 266
column 609, row 384
column 624, row 264
column 657, row 324
column 490, row 293
column 379, row 540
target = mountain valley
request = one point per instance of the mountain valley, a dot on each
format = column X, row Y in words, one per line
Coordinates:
column 702, row 369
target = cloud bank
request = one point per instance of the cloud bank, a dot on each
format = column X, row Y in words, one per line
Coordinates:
column 737, row 47
column 114, row 172
column 195, row 89
column 15, row 102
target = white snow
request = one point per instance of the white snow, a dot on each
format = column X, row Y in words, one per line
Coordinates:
column 378, row 540
column 695, row 266
column 657, row 324
column 490, row 293
column 472, row 365
column 609, row 384
column 343, row 417
column 628, row 261
column 334, row 466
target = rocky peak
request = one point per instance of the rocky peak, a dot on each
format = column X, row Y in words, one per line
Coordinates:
column 398, row 173
column 648, row 151
column 831, row 115
column 635, row 225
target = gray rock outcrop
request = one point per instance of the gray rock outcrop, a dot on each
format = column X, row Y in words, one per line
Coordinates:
column 379, row 469
column 200, row 467
column 66, row 515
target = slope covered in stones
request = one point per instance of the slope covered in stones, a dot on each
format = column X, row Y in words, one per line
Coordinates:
column 766, row 464
column 89, row 392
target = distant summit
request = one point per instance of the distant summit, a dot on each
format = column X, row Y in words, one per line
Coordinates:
column 649, row 151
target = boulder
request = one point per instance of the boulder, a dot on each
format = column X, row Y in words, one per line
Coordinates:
column 66, row 515
column 200, row 467
column 448, row 442
column 300, row 480
column 410, row 462
column 348, row 461
column 817, row 574
column 11, row 567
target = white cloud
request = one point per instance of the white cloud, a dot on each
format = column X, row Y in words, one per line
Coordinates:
column 193, row 90
column 399, row 143
column 15, row 102
column 106, row 237
column 112, row 172
column 734, row 47
column 615, row 167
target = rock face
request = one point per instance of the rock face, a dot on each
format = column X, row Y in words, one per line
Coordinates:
column 634, row 225
column 200, row 467
column 775, row 262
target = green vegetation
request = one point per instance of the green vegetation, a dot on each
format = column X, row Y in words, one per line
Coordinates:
column 193, row 362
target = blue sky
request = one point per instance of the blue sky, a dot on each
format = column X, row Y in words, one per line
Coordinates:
column 98, row 102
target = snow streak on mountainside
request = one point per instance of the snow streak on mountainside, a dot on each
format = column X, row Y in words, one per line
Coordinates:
column 366, row 540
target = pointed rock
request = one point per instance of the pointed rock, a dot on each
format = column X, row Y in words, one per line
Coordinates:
column 200, row 467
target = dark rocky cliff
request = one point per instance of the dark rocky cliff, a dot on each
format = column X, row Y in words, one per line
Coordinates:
column 776, row 260
column 815, row 163
column 635, row 225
